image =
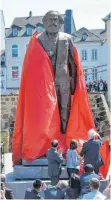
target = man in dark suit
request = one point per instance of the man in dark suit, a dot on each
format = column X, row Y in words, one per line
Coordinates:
column 55, row 160
column 35, row 192
column 8, row 192
column 90, row 151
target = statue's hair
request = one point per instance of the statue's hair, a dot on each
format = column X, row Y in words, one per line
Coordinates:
column 48, row 13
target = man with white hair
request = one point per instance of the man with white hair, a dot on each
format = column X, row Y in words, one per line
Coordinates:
column 90, row 151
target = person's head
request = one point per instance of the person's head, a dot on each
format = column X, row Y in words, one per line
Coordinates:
column 62, row 185
column 54, row 143
column 73, row 144
column 88, row 168
column 52, row 21
column 74, row 181
column 91, row 134
column 37, row 184
column 94, row 184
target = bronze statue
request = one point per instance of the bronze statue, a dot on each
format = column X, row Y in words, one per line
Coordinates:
column 59, row 47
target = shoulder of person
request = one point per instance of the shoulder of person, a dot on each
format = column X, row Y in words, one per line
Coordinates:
column 41, row 35
column 29, row 190
column 8, row 189
column 87, row 196
column 99, row 195
column 66, row 36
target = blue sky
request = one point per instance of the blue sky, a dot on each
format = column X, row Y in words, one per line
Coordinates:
column 87, row 13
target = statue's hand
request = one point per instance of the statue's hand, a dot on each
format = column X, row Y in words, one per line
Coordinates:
column 73, row 85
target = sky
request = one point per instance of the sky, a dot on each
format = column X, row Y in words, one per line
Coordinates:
column 86, row 13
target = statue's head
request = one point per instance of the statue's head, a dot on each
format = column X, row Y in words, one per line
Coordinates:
column 52, row 21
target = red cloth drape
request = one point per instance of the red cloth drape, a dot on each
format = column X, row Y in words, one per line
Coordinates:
column 37, row 116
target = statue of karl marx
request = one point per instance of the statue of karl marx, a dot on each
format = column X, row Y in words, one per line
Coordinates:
column 59, row 47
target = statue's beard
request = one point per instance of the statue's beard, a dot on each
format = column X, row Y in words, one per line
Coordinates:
column 53, row 29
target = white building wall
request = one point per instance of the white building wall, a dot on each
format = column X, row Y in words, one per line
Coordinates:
column 22, row 43
column 15, row 61
column 90, row 64
column 2, row 31
column 3, row 80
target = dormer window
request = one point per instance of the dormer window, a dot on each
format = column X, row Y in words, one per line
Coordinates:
column 84, row 36
column 74, row 36
column 39, row 28
column 15, row 32
column 29, row 30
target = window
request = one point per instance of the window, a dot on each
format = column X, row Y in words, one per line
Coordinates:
column 94, row 54
column 74, row 37
column 3, row 59
column 29, row 30
column 84, row 55
column 2, row 84
column 85, row 74
column 15, row 72
column 94, row 74
column 14, row 51
column 39, row 28
column 15, row 32
column 84, row 36
column 2, row 72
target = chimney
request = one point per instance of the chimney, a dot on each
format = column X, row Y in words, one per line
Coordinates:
column 30, row 14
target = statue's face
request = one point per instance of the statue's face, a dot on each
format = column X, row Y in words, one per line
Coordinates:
column 52, row 23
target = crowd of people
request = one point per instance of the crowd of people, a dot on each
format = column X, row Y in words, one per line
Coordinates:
column 97, row 86
column 84, row 186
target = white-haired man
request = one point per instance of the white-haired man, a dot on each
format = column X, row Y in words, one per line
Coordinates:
column 90, row 151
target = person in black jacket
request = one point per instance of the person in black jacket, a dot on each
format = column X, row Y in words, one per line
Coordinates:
column 91, row 151
column 73, row 191
column 35, row 192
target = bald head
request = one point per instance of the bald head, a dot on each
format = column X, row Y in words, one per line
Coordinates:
column 52, row 21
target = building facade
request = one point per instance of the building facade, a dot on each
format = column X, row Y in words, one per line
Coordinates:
column 92, row 48
column 91, row 45
column 2, row 55
column 17, row 40
column 2, row 73
column 2, row 31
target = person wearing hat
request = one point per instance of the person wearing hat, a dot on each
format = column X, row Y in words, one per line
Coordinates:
column 35, row 192
column 86, row 178
column 90, row 151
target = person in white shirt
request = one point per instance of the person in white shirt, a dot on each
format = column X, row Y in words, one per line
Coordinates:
column 94, row 194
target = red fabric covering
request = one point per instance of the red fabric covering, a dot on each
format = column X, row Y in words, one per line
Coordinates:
column 37, row 117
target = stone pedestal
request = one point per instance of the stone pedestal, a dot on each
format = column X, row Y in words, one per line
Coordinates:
column 36, row 169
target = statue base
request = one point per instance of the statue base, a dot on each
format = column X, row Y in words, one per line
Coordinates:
column 35, row 169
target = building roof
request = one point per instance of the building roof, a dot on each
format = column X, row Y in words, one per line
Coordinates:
column 22, row 22
column 107, row 17
column 91, row 35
